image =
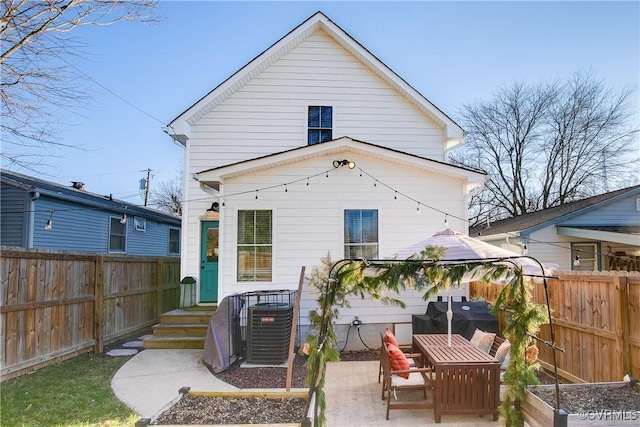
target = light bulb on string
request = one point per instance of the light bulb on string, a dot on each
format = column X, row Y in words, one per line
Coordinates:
column 446, row 221
column 256, row 194
column 307, row 181
column 375, row 182
column 418, row 209
column 285, row 188
column 395, row 196
column 576, row 261
column 49, row 223
column 123, row 220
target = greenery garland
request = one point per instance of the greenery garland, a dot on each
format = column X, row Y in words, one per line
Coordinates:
column 425, row 272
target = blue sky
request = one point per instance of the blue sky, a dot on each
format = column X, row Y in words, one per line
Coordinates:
column 451, row 52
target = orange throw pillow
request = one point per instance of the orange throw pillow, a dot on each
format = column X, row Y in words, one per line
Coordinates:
column 389, row 338
column 398, row 360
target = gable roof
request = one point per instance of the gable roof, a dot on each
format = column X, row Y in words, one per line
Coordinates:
column 177, row 129
column 527, row 223
column 213, row 177
column 82, row 197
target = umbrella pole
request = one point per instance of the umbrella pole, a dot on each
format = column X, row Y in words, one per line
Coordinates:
column 449, row 316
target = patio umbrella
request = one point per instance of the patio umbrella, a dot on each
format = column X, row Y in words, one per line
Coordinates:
column 461, row 247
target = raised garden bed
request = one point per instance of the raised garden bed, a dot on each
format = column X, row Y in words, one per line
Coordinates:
column 588, row 404
column 273, row 408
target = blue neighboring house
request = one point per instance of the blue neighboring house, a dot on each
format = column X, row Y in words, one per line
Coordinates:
column 35, row 213
column 597, row 233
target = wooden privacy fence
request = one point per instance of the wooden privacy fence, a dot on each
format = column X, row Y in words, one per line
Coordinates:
column 55, row 305
column 596, row 320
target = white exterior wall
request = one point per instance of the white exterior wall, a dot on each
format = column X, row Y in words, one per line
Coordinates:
column 269, row 113
column 308, row 220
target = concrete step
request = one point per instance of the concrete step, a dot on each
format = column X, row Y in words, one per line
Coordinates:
column 180, row 330
column 187, row 316
column 174, row 342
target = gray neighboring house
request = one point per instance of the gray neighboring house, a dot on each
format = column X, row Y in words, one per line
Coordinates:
column 600, row 233
column 35, row 213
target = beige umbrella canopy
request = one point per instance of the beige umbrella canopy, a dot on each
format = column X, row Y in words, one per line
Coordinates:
column 460, row 247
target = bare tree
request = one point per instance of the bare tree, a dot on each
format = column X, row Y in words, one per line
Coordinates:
column 168, row 196
column 546, row 144
column 39, row 81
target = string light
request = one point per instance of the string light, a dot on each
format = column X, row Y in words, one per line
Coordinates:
column 49, row 221
column 576, row 261
column 418, row 207
column 395, row 196
column 123, row 220
column 446, row 221
column 256, row 194
column 285, row 188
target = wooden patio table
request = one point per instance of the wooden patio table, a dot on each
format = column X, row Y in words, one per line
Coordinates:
column 466, row 379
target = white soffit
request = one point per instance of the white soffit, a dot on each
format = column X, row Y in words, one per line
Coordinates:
column 603, row 236
column 340, row 147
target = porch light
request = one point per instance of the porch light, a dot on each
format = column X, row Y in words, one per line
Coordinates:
column 348, row 163
column 214, row 207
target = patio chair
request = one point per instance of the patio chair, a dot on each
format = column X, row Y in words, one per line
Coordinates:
column 398, row 376
column 388, row 337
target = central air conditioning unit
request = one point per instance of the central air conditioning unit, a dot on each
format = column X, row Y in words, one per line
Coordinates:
column 269, row 332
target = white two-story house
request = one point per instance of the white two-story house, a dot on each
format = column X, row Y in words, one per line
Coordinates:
column 314, row 147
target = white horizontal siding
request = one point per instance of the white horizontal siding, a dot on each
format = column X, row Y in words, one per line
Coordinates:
column 268, row 114
column 308, row 222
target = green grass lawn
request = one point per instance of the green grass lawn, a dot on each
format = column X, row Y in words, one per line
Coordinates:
column 76, row 392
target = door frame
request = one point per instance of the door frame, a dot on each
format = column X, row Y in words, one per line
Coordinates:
column 203, row 241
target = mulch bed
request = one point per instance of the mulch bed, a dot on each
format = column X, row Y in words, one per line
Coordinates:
column 588, row 397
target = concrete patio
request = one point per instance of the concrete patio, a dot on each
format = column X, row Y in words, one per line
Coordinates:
column 152, row 378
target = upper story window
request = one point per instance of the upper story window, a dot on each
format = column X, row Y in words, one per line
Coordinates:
column 255, row 246
column 174, row 241
column 117, row 235
column 361, row 233
column 320, row 124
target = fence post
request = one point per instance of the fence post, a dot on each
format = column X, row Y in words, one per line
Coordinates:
column 98, row 307
column 159, row 288
column 626, row 325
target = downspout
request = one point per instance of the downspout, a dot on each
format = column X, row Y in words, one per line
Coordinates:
column 30, row 225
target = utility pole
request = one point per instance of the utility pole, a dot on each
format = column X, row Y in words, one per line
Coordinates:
column 147, row 187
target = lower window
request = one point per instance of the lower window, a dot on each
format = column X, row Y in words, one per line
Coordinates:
column 117, row 235
column 585, row 256
column 361, row 233
column 255, row 246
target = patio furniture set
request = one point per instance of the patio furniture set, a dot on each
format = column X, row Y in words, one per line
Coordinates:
column 463, row 377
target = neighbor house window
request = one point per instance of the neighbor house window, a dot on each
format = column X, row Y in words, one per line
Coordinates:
column 584, row 256
column 174, row 241
column 139, row 224
column 320, row 124
column 117, row 235
column 361, row 233
column 255, row 246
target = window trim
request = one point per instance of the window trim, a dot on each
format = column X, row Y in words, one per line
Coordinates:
column 237, row 244
column 591, row 255
column 109, row 249
column 344, row 225
column 308, row 128
column 140, row 224
column 169, row 241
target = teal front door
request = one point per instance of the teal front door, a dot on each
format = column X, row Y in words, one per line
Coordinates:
column 209, row 262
